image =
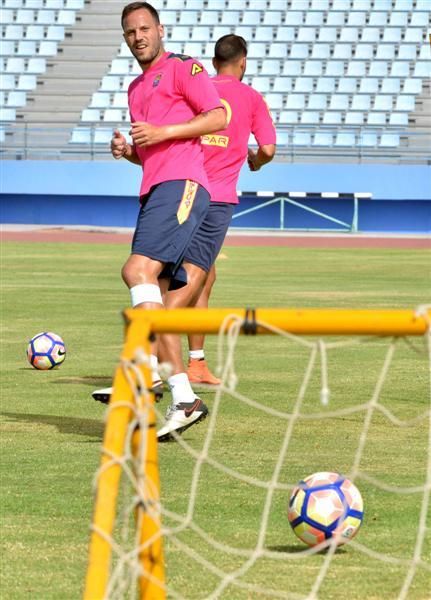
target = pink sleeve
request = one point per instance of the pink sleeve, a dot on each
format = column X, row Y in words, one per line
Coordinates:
column 197, row 87
column 262, row 127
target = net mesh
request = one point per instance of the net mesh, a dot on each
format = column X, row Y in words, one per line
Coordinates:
column 356, row 405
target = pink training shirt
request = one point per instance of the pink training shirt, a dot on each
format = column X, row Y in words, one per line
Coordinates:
column 174, row 90
column 226, row 151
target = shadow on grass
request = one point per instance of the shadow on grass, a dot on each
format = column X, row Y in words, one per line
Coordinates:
column 68, row 425
column 89, row 380
column 299, row 548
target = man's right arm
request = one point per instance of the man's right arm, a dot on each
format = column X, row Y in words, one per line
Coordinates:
column 121, row 149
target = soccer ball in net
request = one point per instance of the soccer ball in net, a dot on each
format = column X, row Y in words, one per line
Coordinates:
column 325, row 505
column 46, row 351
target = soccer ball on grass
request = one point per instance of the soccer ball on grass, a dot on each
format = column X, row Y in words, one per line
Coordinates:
column 46, row 351
column 323, row 506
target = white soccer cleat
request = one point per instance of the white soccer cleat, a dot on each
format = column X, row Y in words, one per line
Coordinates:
column 104, row 395
column 180, row 417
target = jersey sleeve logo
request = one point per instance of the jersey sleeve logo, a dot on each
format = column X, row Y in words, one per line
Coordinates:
column 196, row 69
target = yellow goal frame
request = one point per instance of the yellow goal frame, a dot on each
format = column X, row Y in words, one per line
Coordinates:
column 140, row 326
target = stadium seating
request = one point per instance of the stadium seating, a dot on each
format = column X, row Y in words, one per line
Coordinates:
column 353, row 63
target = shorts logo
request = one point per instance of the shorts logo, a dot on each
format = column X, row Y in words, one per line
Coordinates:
column 157, row 79
column 196, row 69
column 186, row 204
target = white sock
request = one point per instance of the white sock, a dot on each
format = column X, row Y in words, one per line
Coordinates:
column 197, row 354
column 154, row 365
column 181, row 389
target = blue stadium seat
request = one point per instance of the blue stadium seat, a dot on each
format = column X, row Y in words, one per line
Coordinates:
column 323, row 139
column 209, row 17
column 119, row 66
column 55, row 33
column 389, row 140
column 188, row 17
column 390, row 86
column 368, row 85
column 347, row 85
column 420, row 19
column 24, row 17
column 356, row 19
column 120, row 100
column 34, row 32
column 292, row 67
column 327, row 34
column 7, row 15
column 298, row 4
column 392, row 34
column 275, row 101
column 321, row 51
column 313, row 68
column 378, row 69
column 299, row 51
column 362, row 4
column 401, row 119
column 345, row 138
column 264, row 34
column 319, row 5
column 301, row 138
column 270, row 67
column 341, row 5
column 282, row 84
column 364, row 51
column 26, row 82
column 90, row 115
column 407, row 52
column 16, row 98
column 361, row 102
column 354, row 118
column 7, row 81
column 180, row 34
column 15, row 65
column 66, row 17
column 367, row 139
column 413, row 36
column 406, row 103
column 8, row 114
column 36, row 65
column 342, row 51
column 289, row 117
column 285, row 34
column 113, row 115
column 276, row 50
column 398, row 19
column 376, row 118
column 400, row 69
column 294, row 17
column 230, row 17
column 335, row 19
column 100, row 100
column 314, row 18
column 303, row 84
column 14, row 32
column 246, row 31
column 339, row 102
column 383, row 103
column 335, row 68
column 385, row 52
column 349, row 34
column 250, row 17
column 261, row 84
column 7, row 47
column 309, row 117
column 295, row 102
column 26, row 48
column 356, row 68
column 332, row 117
column 405, row 5
column 45, row 17
column 317, row 101
column 425, row 52
column 306, row 34
column 412, row 86
column 422, row 69
column 325, row 84
column 370, row 34
column 110, row 83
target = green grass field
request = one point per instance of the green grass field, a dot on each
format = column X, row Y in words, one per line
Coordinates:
column 52, row 430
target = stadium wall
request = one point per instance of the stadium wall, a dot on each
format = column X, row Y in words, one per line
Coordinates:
column 104, row 194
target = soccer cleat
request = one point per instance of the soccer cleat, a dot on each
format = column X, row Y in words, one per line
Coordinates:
column 198, row 372
column 104, row 395
column 180, row 417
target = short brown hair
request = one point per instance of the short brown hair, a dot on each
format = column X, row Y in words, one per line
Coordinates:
column 230, row 48
column 136, row 6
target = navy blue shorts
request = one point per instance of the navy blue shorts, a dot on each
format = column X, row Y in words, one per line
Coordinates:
column 169, row 216
column 209, row 237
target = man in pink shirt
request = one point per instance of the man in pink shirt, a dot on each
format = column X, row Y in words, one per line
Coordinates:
column 172, row 104
column 225, row 153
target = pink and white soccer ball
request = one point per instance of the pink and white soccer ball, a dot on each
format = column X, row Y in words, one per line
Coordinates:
column 46, row 350
column 325, row 506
